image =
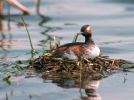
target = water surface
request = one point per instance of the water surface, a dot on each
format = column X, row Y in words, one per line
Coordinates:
column 112, row 27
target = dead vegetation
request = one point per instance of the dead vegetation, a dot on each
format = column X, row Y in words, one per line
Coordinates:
column 56, row 67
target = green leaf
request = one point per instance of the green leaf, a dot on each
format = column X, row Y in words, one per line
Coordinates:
column 7, row 79
column 75, row 38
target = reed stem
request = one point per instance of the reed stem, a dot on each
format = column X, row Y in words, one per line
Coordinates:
column 32, row 51
column 80, row 65
column 75, row 38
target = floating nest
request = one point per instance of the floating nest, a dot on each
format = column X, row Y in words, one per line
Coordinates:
column 56, row 67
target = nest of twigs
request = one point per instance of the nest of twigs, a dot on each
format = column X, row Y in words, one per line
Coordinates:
column 50, row 65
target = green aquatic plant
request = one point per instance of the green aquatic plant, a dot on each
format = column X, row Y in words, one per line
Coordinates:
column 56, row 43
column 7, row 79
column 33, row 51
column 75, row 38
column 79, row 63
column 14, row 69
column 50, row 45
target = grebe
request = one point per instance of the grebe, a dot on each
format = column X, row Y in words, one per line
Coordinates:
column 87, row 49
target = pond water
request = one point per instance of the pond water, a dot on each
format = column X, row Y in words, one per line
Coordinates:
column 112, row 24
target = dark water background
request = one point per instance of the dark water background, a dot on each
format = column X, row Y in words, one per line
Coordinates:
column 112, row 23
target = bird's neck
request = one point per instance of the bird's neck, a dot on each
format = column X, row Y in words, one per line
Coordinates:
column 88, row 40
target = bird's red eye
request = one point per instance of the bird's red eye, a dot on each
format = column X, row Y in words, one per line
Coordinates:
column 85, row 30
column 88, row 30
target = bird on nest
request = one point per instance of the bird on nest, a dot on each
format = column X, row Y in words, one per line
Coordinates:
column 78, row 50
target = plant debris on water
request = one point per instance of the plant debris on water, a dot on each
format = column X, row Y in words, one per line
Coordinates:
column 49, row 66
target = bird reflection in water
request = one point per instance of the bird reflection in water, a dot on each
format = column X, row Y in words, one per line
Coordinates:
column 90, row 84
column 90, row 89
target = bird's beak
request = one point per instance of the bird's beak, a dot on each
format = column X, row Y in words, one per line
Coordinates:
column 79, row 33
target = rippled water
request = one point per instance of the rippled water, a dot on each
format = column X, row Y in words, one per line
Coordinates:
column 113, row 30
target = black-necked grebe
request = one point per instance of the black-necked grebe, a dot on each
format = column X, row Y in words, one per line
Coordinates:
column 87, row 49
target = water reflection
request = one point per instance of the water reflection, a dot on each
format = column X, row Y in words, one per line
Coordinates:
column 3, row 42
column 2, row 29
column 44, row 20
column 89, row 83
column 90, row 89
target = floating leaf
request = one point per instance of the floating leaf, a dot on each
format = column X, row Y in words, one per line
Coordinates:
column 7, row 79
